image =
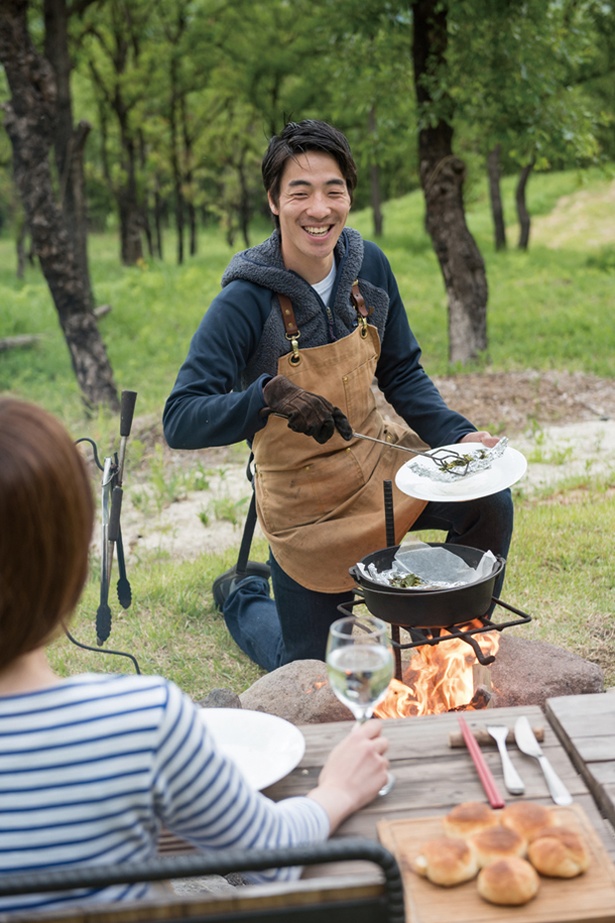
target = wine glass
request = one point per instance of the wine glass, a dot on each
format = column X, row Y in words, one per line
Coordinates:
column 360, row 667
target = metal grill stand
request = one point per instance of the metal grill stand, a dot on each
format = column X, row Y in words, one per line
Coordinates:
column 464, row 631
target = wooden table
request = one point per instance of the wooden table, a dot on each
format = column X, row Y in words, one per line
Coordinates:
column 585, row 725
column 432, row 777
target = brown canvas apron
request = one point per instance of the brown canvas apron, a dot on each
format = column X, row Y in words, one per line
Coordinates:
column 321, row 507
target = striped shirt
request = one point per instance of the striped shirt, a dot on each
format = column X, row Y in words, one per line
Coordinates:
column 90, row 769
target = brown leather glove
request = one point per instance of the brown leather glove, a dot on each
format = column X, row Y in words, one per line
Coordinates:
column 307, row 413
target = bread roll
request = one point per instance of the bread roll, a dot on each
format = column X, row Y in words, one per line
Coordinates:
column 469, row 818
column 510, row 881
column 559, row 853
column 446, row 861
column 527, row 818
column 496, row 843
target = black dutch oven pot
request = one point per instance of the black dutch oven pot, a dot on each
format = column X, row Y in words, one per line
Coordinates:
column 437, row 608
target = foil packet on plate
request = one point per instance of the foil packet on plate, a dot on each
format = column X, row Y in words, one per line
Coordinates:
column 476, row 456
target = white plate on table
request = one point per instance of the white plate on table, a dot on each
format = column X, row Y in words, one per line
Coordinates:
column 504, row 472
column 264, row 747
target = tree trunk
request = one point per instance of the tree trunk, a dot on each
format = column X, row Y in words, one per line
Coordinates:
column 442, row 177
column 245, row 210
column 193, row 229
column 179, row 200
column 69, row 142
column 158, row 223
column 179, row 224
column 30, row 123
column 374, row 182
column 522, row 213
column 174, row 116
column 189, row 176
column 129, row 208
column 131, row 246
column 22, row 234
column 495, row 197
column 146, row 226
column 376, row 199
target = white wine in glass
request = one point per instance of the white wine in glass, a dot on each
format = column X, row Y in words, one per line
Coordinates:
column 360, row 666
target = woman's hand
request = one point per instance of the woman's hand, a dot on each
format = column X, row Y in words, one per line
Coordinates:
column 355, row 771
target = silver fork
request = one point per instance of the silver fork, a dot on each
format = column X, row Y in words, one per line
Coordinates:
column 512, row 779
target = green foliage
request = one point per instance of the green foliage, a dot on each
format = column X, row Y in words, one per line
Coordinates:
column 190, row 90
column 529, row 93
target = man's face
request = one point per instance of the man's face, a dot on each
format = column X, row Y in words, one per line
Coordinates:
column 313, row 207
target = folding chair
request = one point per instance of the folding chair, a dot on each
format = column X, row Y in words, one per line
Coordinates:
column 345, row 898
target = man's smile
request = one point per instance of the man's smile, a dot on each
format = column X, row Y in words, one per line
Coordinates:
column 318, row 231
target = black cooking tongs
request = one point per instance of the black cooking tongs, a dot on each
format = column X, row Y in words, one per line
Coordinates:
column 111, row 533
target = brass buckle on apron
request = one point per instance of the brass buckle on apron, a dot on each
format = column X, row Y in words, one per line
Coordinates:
column 360, row 307
column 294, row 358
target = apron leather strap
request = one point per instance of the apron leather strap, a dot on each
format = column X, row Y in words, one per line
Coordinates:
column 358, row 301
column 288, row 316
column 290, row 328
column 360, row 307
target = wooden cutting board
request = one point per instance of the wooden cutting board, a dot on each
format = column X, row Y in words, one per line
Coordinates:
column 589, row 898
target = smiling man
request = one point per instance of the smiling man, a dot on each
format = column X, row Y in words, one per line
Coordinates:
column 285, row 358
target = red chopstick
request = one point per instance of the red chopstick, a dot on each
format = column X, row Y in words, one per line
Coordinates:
column 484, row 773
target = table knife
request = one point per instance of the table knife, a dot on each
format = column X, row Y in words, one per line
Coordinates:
column 527, row 743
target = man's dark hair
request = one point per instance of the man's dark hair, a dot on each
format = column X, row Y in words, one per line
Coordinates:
column 298, row 138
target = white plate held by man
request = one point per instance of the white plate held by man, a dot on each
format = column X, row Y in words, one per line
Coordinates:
column 419, row 477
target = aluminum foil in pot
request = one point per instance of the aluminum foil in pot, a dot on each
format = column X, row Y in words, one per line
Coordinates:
column 420, row 566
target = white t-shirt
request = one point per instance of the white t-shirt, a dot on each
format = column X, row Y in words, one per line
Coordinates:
column 325, row 286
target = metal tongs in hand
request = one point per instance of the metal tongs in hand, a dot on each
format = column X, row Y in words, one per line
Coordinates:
column 446, row 459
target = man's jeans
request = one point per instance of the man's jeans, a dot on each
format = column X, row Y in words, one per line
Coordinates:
column 296, row 625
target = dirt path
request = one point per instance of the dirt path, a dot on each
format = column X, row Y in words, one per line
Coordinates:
column 564, row 423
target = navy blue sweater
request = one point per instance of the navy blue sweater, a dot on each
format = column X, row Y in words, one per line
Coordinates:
column 218, row 394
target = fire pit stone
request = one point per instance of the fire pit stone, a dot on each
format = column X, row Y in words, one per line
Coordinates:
column 528, row 672
column 299, row 692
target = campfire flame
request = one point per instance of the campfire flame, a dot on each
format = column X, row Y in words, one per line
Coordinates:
column 439, row 678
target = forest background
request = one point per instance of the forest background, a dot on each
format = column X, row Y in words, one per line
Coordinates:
column 491, row 111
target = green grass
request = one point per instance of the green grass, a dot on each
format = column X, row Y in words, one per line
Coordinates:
column 561, row 569
column 548, row 308
column 171, row 629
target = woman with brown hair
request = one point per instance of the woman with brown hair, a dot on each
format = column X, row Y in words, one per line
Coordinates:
column 91, row 766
